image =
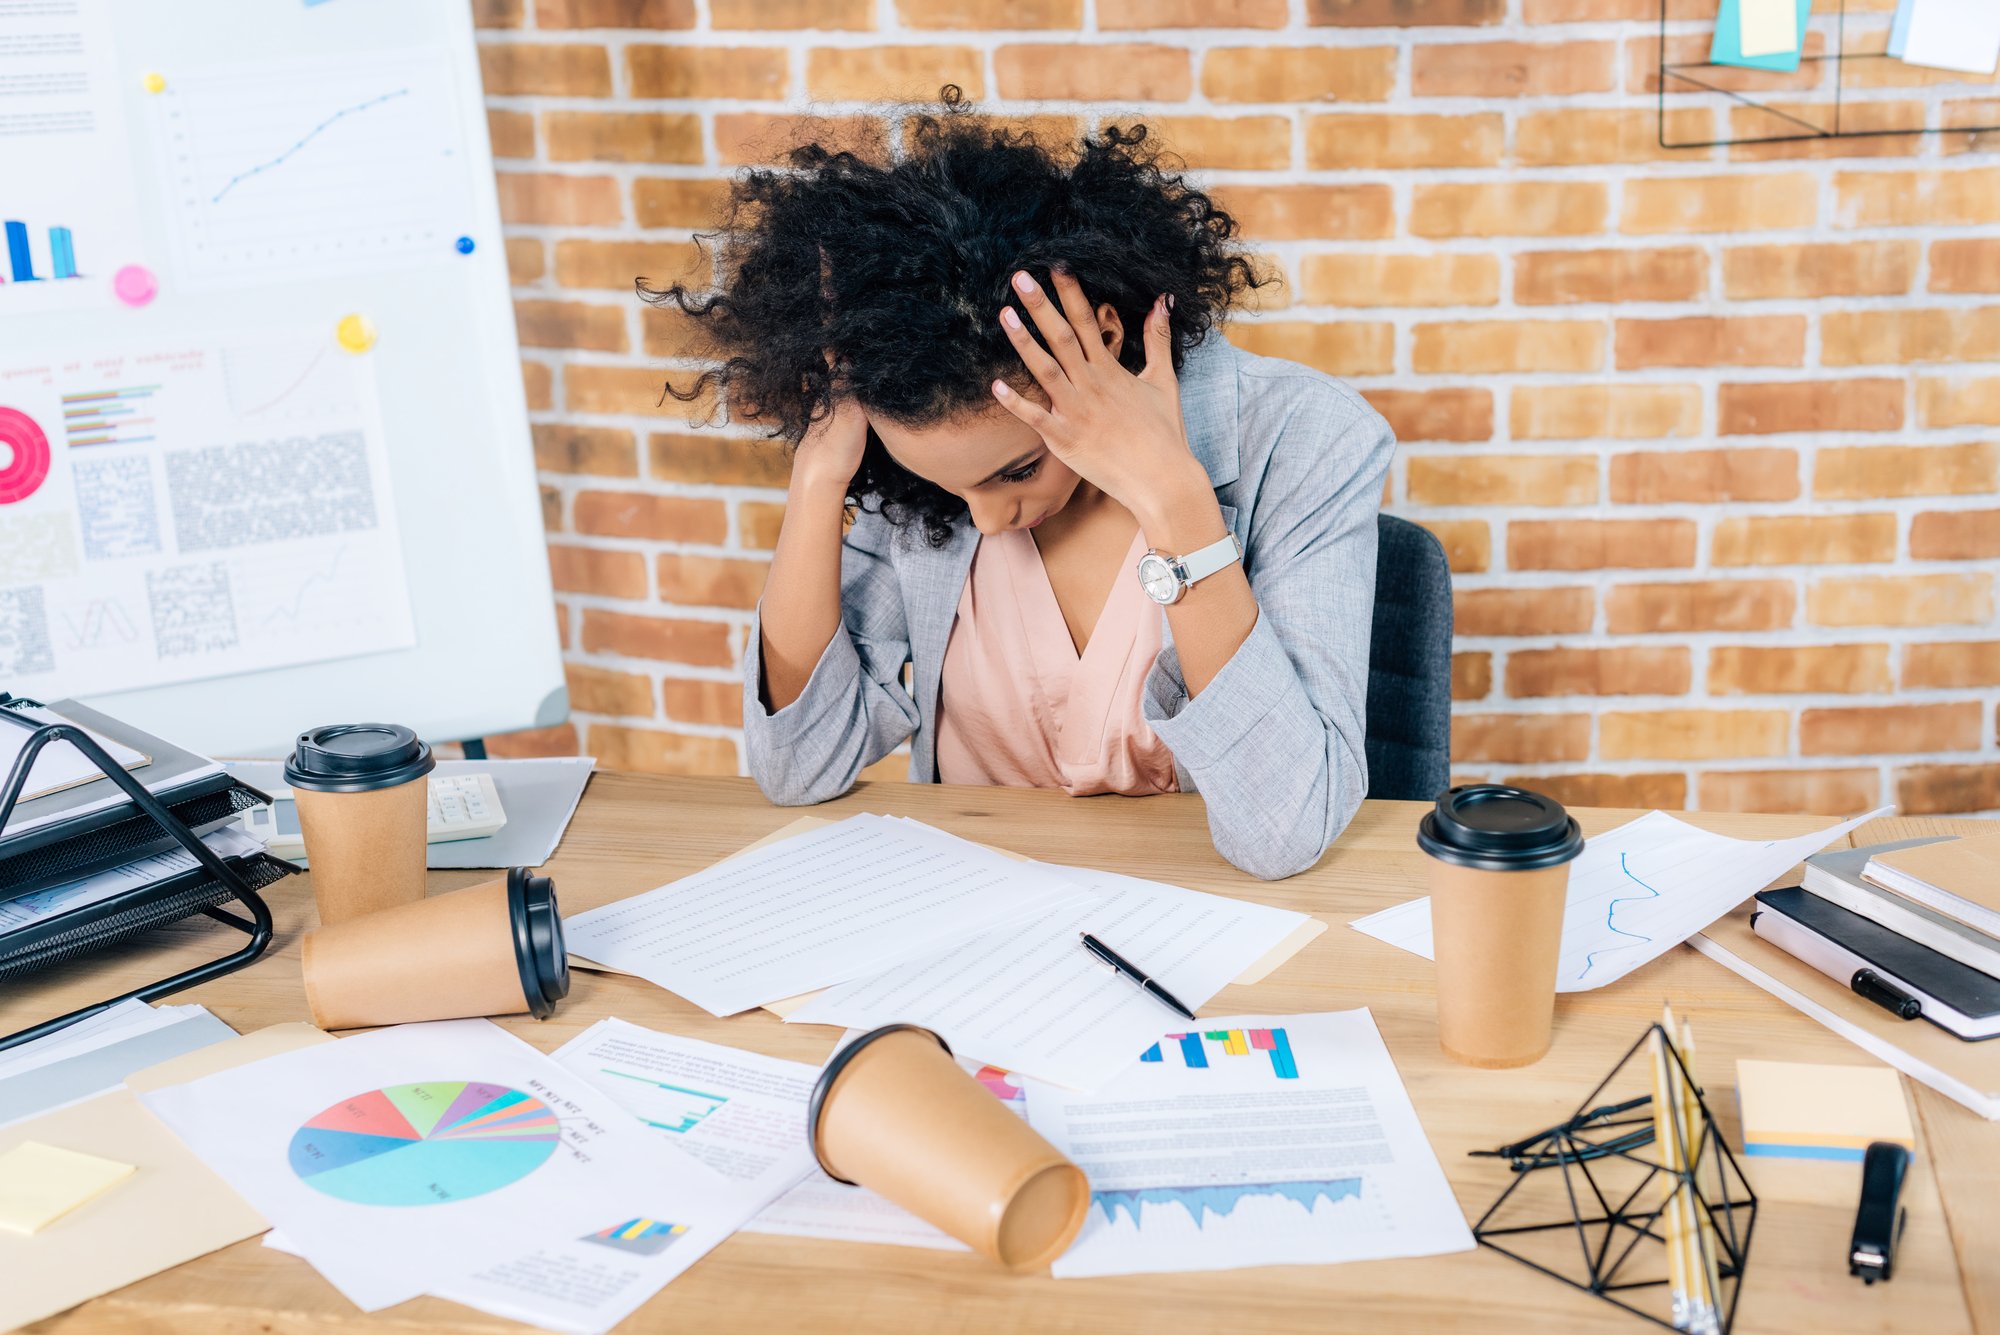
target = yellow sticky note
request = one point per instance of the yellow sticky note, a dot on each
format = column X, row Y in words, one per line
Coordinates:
column 1801, row 1110
column 41, row 1183
column 1768, row 27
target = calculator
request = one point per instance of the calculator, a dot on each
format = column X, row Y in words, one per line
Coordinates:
column 462, row 806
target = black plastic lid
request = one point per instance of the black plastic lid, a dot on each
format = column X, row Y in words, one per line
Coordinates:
column 834, row 1066
column 1499, row 828
column 538, row 941
column 357, row 758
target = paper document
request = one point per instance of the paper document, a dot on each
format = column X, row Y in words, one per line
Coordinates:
column 58, row 765
column 70, row 1073
column 1028, row 997
column 835, row 903
column 1257, row 1140
column 1635, row 893
column 1962, row 35
column 228, row 842
column 406, row 1160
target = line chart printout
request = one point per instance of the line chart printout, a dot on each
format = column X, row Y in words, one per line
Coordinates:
column 1242, row 1161
column 314, row 168
column 1635, row 893
column 180, row 512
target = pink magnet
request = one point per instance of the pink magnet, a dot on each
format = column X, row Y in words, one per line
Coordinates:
column 135, row 285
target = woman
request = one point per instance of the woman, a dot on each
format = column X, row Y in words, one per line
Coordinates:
column 1115, row 554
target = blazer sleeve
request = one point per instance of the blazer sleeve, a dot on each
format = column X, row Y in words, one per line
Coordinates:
column 1274, row 743
column 854, row 709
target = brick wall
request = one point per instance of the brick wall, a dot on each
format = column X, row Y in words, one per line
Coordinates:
column 1709, row 434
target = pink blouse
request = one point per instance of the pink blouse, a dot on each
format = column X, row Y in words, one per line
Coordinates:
column 1018, row 707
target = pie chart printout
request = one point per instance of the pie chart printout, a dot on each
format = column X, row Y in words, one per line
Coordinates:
column 425, row 1144
column 24, row 456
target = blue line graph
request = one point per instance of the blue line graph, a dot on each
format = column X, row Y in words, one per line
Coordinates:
column 310, row 135
column 1612, row 908
column 1206, row 1203
column 298, row 604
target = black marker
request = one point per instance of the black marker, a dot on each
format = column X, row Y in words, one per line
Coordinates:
column 1886, row 994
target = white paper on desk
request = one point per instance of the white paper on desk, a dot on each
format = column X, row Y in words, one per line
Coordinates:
column 524, row 1155
column 228, row 842
column 58, row 765
column 831, row 904
column 1246, row 1160
column 1961, row 35
column 1636, row 892
column 1029, row 998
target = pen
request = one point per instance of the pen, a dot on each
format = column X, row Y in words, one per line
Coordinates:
column 1136, row 974
column 1886, row 994
column 1836, row 962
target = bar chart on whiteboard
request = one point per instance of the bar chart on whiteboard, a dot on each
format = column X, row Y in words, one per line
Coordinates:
column 194, row 510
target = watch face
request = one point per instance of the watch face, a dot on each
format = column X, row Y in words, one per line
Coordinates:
column 1158, row 579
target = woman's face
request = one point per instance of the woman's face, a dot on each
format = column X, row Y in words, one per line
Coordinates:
column 997, row 464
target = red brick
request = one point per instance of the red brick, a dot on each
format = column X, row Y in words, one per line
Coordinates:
column 1241, row 143
column 775, row 15
column 1118, row 15
column 650, row 751
column 1133, row 72
column 1942, row 790
column 1550, row 277
column 1589, row 11
column 1719, row 203
column 1712, row 340
column 1704, row 476
column 1850, row 338
column 570, row 324
column 1351, row 140
column 1858, row 269
column 552, row 508
column 1959, row 401
column 558, row 740
column 1866, row 130
column 1404, row 13
column 526, row 260
column 1513, row 208
column 758, row 523
column 614, row 13
column 1818, row 792
column 676, row 201
column 1780, row 540
column 1367, row 278
column 1435, row 414
column 1299, row 74
column 1533, row 673
column 1599, row 544
column 752, row 73
column 614, row 266
column 1468, row 543
column 1698, row 605
column 1861, row 471
column 710, row 457
column 1604, row 411
column 626, row 391
column 1337, row 349
column 497, row 13
column 673, row 639
column 1955, row 535
column 1523, row 611
column 598, row 451
column 869, row 73
column 1901, row 600
column 559, row 69
column 1471, row 676
column 1520, row 738
column 638, row 514
column 711, row 581
column 1809, row 405
column 538, row 383
column 610, row 574
column 596, row 690
column 961, row 14
column 1502, row 479
column 1642, row 64
column 1303, row 212
column 1507, row 345
column 1859, row 731
column 750, row 138
column 1693, row 734
column 1958, row 663
column 718, row 704
column 1511, row 69
column 1948, row 198
column 1965, row 264
column 1812, row 669
column 550, row 199
column 1600, row 134
column 512, row 133
column 1644, row 791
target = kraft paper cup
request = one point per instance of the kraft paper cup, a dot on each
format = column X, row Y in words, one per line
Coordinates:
column 367, row 849
column 894, row 1113
column 491, row 949
column 1499, row 875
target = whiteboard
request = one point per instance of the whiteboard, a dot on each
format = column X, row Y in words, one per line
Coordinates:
column 264, row 453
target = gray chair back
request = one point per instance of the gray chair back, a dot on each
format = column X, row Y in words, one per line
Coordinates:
column 1409, row 665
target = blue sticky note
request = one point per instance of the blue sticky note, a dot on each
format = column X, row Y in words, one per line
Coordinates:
column 1727, row 46
column 1899, row 27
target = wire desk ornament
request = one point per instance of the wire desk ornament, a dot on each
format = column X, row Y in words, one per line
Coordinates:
column 1588, row 1198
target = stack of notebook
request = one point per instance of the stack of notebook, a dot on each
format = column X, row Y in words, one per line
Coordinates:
column 83, row 866
column 1914, row 926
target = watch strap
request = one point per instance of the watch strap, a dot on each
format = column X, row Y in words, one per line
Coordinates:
column 1218, row 555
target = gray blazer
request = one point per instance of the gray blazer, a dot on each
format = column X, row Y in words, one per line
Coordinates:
column 1274, row 744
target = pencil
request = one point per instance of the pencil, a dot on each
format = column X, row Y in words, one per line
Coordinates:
column 1663, row 1136
column 1703, row 1310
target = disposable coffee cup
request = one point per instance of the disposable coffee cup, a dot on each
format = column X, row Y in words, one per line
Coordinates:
column 1499, row 874
column 894, row 1113
column 495, row 948
column 362, row 808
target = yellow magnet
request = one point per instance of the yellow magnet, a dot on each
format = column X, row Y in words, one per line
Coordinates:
column 155, row 83
column 356, row 333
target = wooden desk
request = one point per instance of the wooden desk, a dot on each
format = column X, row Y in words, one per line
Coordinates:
column 633, row 833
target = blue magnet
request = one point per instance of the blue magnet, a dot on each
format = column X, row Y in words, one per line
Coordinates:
column 464, row 245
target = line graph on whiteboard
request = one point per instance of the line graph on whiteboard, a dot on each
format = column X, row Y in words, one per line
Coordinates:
column 317, row 167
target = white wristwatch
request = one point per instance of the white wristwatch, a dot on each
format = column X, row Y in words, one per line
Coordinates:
column 1166, row 579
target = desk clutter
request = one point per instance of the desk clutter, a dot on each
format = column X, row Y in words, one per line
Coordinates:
column 1017, row 1075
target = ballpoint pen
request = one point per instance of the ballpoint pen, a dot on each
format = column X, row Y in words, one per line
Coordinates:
column 1136, row 974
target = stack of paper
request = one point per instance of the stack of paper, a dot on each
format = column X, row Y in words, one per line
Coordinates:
column 97, row 1053
column 26, row 910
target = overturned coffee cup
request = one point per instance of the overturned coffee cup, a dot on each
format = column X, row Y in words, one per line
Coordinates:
column 894, row 1112
column 491, row 949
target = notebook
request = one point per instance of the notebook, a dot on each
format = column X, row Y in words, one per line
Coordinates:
column 1836, row 877
column 1959, row 878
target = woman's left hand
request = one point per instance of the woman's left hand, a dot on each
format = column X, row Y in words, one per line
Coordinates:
column 1119, row 431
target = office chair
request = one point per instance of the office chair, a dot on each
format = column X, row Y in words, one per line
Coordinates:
column 1409, row 665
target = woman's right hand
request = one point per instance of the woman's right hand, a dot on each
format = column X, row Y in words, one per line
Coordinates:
column 830, row 454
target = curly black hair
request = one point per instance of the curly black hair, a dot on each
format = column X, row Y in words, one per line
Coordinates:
column 885, row 280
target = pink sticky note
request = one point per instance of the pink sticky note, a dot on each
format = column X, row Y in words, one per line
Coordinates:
column 135, row 285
